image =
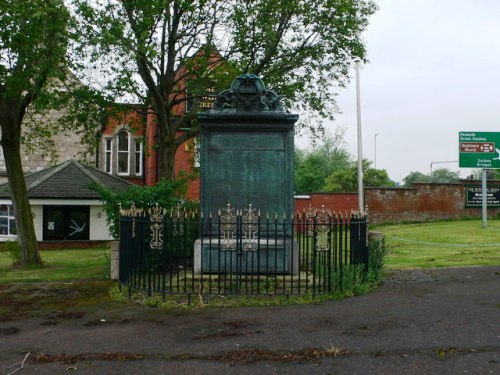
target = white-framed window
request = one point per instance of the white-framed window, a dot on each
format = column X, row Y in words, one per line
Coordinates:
column 108, row 155
column 138, row 158
column 123, row 151
column 7, row 220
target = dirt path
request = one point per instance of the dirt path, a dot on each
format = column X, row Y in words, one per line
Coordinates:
column 439, row 321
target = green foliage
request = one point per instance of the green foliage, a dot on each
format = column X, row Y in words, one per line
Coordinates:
column 107, row 260
column 346, row 180
column 33, row 45
column 147, row 49
column 166, row 194
column 444, row 175
column 377, row 250
column 416, row 176
column 441, row 175
column 302, row 49
column 313, row 167
column 329, row 167
column 14, row 250
column 349, row 281
column 33, row 42
column 352, row 280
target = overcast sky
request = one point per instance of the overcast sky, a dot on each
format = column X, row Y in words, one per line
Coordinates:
column 434, row 71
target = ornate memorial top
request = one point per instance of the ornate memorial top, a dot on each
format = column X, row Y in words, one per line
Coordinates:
column 248, row 93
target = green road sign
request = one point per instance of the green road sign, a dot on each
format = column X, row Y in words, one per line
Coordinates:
column 479, row 150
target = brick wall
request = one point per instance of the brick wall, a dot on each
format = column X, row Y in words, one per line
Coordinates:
column 184, row 162
column 423, row 202
column 336, row 202
column 420, row 203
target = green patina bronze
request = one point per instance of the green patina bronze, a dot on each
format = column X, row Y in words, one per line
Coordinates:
column 247, row 156
column 247, row 150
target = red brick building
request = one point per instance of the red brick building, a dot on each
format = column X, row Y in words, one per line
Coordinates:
column 129, row 149
column 129, row 142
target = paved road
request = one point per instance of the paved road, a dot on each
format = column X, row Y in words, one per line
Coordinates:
column 439, row 321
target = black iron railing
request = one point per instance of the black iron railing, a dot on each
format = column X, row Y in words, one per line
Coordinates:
column 240, row 252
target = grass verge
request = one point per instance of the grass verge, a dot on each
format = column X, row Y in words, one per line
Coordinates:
column 59, row 265
column 70, row 265
column 442, row 244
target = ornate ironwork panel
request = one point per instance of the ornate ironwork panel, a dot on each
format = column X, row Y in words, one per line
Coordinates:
column 228, row 228
column 156, row 226
column 323, row 219
column 250, row 227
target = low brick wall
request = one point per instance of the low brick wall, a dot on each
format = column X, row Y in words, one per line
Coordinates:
column 336, row 202
column 423, row 202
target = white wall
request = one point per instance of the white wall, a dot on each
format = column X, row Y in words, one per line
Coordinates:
column 37, row 212
column 98, row 227
column 98, row 230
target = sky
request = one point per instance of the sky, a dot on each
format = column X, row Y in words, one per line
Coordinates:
column 433, row 71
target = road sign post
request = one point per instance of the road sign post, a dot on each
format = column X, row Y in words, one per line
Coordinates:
column 480, row 150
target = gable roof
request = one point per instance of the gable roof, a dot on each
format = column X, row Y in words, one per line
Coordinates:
column 68, row 180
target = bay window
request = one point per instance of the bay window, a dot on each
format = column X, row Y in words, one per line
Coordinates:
column 7, row 220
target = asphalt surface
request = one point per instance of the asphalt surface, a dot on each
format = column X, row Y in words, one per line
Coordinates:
column 435, row 321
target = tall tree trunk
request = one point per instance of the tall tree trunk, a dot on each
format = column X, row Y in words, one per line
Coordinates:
column 167, row 156
column 26, row 237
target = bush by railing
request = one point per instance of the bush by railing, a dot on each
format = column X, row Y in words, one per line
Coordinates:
column 240, row 252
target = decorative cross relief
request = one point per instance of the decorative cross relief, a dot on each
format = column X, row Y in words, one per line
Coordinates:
column 132, row 212
column 228, row 229
column 310, row 214
column 250, row 220
column 233, row 230
column 156, row 219
column 322, row 219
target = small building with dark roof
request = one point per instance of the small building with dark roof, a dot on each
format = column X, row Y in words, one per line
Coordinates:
column 64, row 207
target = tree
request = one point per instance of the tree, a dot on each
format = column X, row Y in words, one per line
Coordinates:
column 302, row 49
column 167, row 53
column 314, row 166
column 415, row 176
column 346, row 180
column 444, row 175
column 33, row 42
column 441, row 175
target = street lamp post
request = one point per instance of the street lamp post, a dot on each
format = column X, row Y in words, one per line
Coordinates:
column 442, row 162
column 361, row 200
column 376, row 134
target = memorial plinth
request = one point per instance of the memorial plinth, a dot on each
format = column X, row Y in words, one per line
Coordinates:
column 247, row 157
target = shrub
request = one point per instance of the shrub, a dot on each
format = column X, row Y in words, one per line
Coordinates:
column 376, row 259
column 14, row 250
column 166, row 194
column 356, row 279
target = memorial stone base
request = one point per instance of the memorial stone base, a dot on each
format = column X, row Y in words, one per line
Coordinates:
column 277, row 256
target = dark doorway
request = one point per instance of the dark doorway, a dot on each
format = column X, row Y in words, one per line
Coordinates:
column 66, row 223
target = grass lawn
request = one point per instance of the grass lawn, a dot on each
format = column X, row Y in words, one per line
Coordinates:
column 438, row 244
column 442, row 244
column 59, row 265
